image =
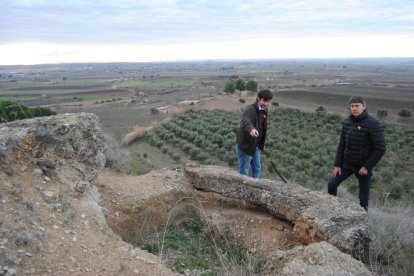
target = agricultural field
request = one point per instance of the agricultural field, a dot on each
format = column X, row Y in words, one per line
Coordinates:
column 126, row 95
column 334, row 99
column 301, row 144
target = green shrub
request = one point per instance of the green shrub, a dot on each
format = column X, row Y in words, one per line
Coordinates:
column 176, row 157
column 229, row 88
column 404, row 113
column 382, row 113
column 11, row 111
column 196, row 249
column 320, row 109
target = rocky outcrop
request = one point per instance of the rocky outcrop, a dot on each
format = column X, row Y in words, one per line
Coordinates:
column 51, row 220
column 52, row 141
column 316, row 216
column 321, row 259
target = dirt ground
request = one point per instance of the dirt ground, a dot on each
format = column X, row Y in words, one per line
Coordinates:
column 256, row 230
column 46, row 230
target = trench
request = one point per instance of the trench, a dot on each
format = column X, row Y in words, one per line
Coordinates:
column 236, row 223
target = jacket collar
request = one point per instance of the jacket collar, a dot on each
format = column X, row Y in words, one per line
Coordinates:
column 257, row 106
column 360, row 118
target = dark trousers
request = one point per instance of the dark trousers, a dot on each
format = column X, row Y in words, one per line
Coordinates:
column 363, row 180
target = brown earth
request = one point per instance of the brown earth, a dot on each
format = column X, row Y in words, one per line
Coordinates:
column 124, row 195
column 56, row 234
column 225, row 102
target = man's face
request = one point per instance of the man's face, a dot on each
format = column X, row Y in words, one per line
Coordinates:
column 357, row 109
column 264, row 103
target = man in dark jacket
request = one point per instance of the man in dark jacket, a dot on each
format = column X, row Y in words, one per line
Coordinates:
column 252, row 134
column 360, row 148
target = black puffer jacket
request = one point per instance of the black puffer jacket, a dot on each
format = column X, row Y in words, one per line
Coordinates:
column 362, row 142
column 249, row 121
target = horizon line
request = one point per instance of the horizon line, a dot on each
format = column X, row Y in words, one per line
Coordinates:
column 216, row 60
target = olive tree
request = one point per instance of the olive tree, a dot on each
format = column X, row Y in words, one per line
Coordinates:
column 240, row 85
column 251, row 86
column 229, row 88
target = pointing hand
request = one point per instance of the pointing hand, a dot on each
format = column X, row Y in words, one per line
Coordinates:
column 254, row 133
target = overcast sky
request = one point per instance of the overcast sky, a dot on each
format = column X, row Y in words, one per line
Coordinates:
column 51, row 31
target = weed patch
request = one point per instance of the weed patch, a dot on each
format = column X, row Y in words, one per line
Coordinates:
column 191, row 246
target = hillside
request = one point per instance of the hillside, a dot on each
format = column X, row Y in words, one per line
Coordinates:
column 63, row 213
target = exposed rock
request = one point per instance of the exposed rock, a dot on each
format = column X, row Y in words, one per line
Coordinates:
column 50, row 217
column 142, row 205
column 42, row 140
column 316, row 216
column 318, row 259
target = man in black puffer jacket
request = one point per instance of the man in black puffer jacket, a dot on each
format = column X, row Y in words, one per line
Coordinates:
column 360, row 148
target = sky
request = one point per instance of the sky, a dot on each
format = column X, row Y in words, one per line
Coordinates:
column 67, row 31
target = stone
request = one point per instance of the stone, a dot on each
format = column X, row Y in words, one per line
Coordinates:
column 42, row 137
column 38, row 171
column 316, row 216
column 82, row 186
column 48, row 193
column 319, row 259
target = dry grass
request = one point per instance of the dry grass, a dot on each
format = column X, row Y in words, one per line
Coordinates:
column 178, row 111
column 136, row 134
column 392, row 246
column 155, row 124
column 391, row 250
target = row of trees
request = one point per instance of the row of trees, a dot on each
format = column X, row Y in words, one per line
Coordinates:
column 200, row 135
column 240, row 85
column 301, row 144
column 11, row 111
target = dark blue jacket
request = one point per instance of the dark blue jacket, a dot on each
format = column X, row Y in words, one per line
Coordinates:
column 362, row 142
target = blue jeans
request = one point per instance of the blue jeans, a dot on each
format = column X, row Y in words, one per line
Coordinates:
column 249, row 165
column 363, row 180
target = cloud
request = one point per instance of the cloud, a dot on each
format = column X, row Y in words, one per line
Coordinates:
column 264, row 48
column 168, row 22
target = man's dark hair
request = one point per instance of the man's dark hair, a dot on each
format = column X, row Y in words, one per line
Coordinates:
column 357, row 99
column 265, row 94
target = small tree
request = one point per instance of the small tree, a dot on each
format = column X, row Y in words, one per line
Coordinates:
column 242, row 101
column 154, row 111
column 404, row 113
column 320, row 109
column 251, row 86
column 229, row 88
column 382, row 113
column 240, row 85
